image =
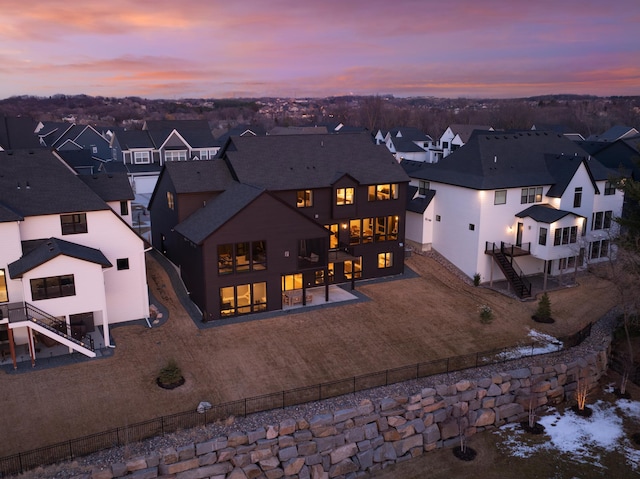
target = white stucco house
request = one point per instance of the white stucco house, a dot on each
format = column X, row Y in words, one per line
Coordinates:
column 70, row 264
column 455, row 136
column 406, row 143
column 533, row 199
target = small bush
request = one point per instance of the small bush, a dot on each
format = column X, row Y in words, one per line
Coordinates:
column 476, row 279
column 170, row 374
column 486, row 314
column 543, row 313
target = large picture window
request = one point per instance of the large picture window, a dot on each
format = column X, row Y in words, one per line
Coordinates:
column 383, row 192
column 73, row 224
column 353, row 268
column 242, row 257
column 53, row 287
column 243, row 299
column 386, row 228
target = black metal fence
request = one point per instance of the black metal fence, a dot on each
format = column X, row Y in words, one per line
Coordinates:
column 123, row 436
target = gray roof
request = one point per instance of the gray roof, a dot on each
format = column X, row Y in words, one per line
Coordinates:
column 130, row 139
column 198, row 176
column 37, row 183
column 38, row 252
column 110, row 186
column 217, row 212
column 17, row 133
column 418, row 204
column 544, row 213
column 465, row 131
column 405, row 145
column 615, row 133
column 409, row 133
column 310, row 161
column 495, row 160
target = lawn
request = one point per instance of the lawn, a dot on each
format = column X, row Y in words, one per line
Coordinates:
column 405, row 321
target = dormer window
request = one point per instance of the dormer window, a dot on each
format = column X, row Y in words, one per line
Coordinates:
column 383, row 192
column 175, row 155
column 345, row 196
column 141, row 158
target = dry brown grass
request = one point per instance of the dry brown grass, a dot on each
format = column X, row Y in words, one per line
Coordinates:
column 407, row 321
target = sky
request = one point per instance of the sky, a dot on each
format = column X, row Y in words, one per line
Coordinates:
column 296, row 48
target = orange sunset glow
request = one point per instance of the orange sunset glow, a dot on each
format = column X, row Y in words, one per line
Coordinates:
column 252, row 48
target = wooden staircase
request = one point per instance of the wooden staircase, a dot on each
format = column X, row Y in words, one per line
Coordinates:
column 510, row 269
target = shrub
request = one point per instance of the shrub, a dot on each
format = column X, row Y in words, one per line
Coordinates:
column 543, row 313
column 486, row 314
column 476, row 279
column 170, row 374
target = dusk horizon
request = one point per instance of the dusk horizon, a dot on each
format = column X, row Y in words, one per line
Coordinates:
column 250, row 49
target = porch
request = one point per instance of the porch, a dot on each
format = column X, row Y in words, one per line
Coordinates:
column 315, row 297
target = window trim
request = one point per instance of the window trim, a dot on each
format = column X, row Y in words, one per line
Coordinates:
column 122, row 264
column 346, row 199
column 53, row 291
column 77, row 225
column 141, row 157
column 500, row 201
column 304, row 198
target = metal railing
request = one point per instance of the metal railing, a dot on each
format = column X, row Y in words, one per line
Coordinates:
column 123, row 436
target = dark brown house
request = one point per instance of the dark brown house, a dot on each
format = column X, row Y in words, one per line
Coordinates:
column 277, row 215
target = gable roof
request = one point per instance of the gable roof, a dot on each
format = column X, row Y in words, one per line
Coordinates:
column 37, row 183
column 310, row 161
column 496, row 160
column 418, row 204
column 109, row 186
column 38, row 252
column 614, row 133
column 465, row 131
column 618, row 156
column 80, row 160
column 201, row 176
column 134, row 139
column 410, row 133
column 544, row 213
column 198, row 226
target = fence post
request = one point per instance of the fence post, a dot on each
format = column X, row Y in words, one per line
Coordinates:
column 162, row 425
column 70, row 450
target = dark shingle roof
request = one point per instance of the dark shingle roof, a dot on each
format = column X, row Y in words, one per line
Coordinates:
column 420, row 203
column 217, row 212
column 80, row 160
column 310, row 161
column 109, row 186
column 618, row 156
column 17, row 133
column 40, row 251
column 544, row 213
column 198, row 176
column 37, row 183
column 494, row 160
column 130, row 139
column 465, row 131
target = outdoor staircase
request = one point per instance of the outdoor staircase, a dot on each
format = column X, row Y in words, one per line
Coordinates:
column 520, row 284
column 25, row 314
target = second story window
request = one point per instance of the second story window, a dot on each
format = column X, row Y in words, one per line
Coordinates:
column 423, row 187
column 577, row 197
column 304, row 198
column 53, row 287
column 500, row 197
column 170, row 200
column 531, row 195
column 73, row 224
column 124, row 208
column 542, row 237
column 179, row 155
column 345, row 196
column 383, row 192
column 609, row 188
column 141, row 157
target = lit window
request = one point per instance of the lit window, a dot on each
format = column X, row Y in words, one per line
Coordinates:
column 304, row 198
column 385, row 260
column 4, row 296
column 353, row 268
column 170, row 200
column 345, row 196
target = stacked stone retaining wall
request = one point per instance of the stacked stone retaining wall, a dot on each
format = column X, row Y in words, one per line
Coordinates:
column 353, row 442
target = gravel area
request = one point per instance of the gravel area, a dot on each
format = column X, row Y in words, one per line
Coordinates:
column 82, row 467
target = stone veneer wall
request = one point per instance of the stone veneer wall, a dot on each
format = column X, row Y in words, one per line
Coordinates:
column 353, row 442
